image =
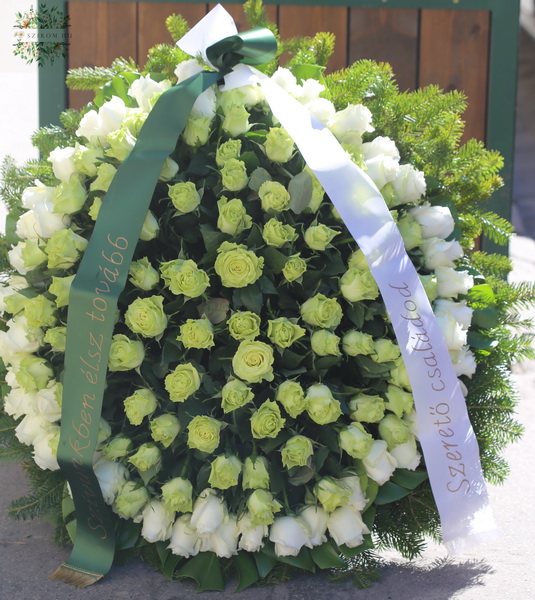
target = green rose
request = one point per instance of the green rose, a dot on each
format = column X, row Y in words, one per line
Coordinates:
column 279, row 145
column 277, row 234
column 164, row 429
column 183, row 382
column 69, row 196
column 321, row 311
column 355, row 440
column 356, row 342
column 197, row 130
column 356, row 285
column 284, row 332
column 233, row 218
column 147, row 456
column 31, row 254
column 331, row 493
column 296, row 451
column 274, row 196
column 261, row 506
column 131, row 499
column 117, row 447
column 253, row 361
column 255, row 473
column 177, row 495
column 399, row 375
column 226, row 151
column 294, row 268
column 394, row 431
column 399, row 401
column 357, row 260
column 430, row 285
column 234, row 175
column 150, row 228
column 385, row 351
column 33, row 373
column 203, row 433
column 121, row 143
column 87, row 159
column 267, row 421
column 236, row 266
column 40, row 312
column 64, row 248
column 146, row 316
column 292, row 396
column 235, row 394
column 196, row 333
column 184, row 277
column 61, row 287
column 317, row 192
column 368, row 409
column 141, row 403
column 321, row 407
column 94, row 209
column 184, row 196
column 135, row 120
column 236, row 121
column 143, row 275
column 325, row 343
column 57, row 338
column 224, row 472
column 244, row 325
column 105, row 175
column 125, row 354
column 318, row 237
column 411, row 231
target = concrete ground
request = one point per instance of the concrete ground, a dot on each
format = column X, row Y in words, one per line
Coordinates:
column 491, row 572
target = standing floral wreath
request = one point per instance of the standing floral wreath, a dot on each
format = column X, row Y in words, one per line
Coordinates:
column 257, row 409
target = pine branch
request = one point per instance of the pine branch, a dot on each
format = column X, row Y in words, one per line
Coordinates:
column 89, row 78
column 47, row 493
column 177, row 26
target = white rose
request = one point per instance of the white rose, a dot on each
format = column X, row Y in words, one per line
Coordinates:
column 252, row 536
column 464, row 389
column 48, row 222
column 92, row 129
column 157, row 522
column 184, row 539
column 16, row 260
column 45, row 449
column 322, row 109
column 409, row 185
column 30, row 428
column 411, row 418
column 349, row 124
column 379, row 463
column 289, row 534
column 205, row 105
column 346, row 526
column 40, row 192
column 458, row 310
column 46, row 402
column 357, row 498
column 62, row 162
column 439, row 253
column 465, row 363
column 22, row 338
column 454, row 334
column 169, row 170
column 286, row 80
column 224, row 540
column 451, row 283
column 382, row 169
column 26, row 228
column 208, row 513
column 145, row 88
column 112, row 114
column 436, row 221
column 308, row 91
column 316, row 519
column 111, row 477
column 19, row 402
column 407, row 455
column 380, row 145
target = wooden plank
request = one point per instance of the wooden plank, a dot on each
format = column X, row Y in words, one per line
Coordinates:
column 236, row 10
column 101, row 31
column 454, row 48
column 308, row 20
column 151, row 23
column 386, row 35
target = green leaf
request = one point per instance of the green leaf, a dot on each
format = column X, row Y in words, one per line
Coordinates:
column 127, row 534
column 71, row 529
column 300, row 189
column 390, row 492
column 486, row 318
column 482, row 294
column 251, row 296
column 212, row 239
column 475, row 339
column 264, row 563
column 251, row 161
column 205, row 570
column 302, row 561
column 247, row 571
column 306, row 71
column 326, row 557
column 275, row 260
column 409, row 479
column 367, row 544
column 67, row 507
column 11, row 224
column 302, row 475
column 258, row 177
column 170, row 565
column 120, row 90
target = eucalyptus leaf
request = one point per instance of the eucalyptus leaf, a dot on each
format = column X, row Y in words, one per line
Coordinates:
column 215, row 310
column 300, row 189
column 257, row 178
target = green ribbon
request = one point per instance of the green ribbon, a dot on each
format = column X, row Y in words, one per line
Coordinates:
column 95, row 290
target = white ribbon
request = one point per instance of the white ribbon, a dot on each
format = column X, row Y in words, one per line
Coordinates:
column 448, row 441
